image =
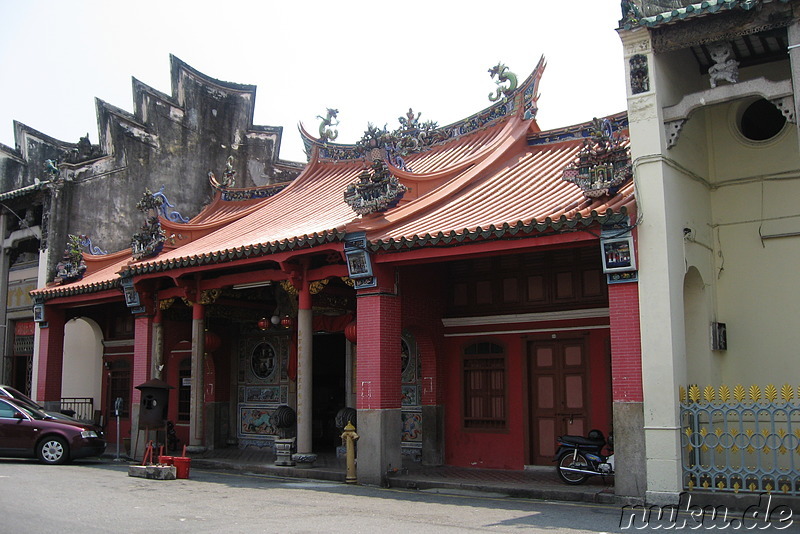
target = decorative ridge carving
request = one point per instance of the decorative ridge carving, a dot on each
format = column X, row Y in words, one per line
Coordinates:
column 71, row 267
column 150, row 240
column 415, row 136
column 375, row 191
column 603, row 165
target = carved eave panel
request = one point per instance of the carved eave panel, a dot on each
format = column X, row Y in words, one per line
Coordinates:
column 779, row 93
column 722, row 26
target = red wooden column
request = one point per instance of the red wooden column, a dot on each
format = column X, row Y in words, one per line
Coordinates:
column 378, row 378
column 51, row 358
column 628, row 395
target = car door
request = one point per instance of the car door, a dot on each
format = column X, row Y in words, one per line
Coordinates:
column 17, row 436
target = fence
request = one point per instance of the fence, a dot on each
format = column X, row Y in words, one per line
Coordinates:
column 741, row 440
column 82, row 406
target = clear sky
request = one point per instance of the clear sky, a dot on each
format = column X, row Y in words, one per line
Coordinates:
column 371, row 60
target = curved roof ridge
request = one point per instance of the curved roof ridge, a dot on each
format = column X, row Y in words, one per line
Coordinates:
column 520, row 102
column 486, row 148
column 515, row 131
column 295, row 222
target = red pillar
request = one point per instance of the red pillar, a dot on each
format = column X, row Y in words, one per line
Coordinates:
column 378, row 379
column 379, row 330
column 626, row 342
column 628, row 393
column 51, row 356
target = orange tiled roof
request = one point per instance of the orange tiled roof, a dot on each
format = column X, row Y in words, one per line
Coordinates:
column 104, row 276
column 490, row 182
column 520, row 187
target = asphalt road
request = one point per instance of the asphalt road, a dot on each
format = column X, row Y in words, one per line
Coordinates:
column 98, row 496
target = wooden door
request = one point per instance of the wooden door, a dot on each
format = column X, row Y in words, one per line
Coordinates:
column 557, row 394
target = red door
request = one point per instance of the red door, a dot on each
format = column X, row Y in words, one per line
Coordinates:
column 557, row 389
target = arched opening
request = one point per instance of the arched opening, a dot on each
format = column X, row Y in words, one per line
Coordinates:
column 82, row 384
column 696, row 327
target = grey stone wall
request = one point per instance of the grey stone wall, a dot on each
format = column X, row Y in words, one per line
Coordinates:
column 170, row 141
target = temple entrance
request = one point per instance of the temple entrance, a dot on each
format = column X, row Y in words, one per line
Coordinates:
column 329, row 390
column 558, row 393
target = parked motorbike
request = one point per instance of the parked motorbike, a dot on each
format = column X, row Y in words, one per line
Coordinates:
column 580, row 457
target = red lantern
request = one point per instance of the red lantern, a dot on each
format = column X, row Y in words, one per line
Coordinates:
column 212, row 341
column 287, row 322
column 350, row 332
column 263, row 323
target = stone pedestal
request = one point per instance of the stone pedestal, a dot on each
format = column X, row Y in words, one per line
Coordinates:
column 304, row 459
column 283, row 451
column 153, row 472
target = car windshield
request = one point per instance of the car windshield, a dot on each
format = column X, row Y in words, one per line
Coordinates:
column 31, row 411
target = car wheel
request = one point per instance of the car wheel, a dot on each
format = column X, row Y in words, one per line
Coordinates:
column 53, row 450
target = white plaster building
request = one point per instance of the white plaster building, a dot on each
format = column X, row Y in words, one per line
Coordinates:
column 712, row 94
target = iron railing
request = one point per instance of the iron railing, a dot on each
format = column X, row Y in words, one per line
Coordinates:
column 82, row 406
column 741, row 440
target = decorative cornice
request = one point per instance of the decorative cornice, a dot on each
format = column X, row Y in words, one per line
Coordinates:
column 520, row 229
column 577, row 132
column 518, row 318
column 632, row 17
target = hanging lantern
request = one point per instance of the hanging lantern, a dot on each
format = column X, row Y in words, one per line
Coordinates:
column 212, row 341
column 350, row 332
column 287, row 322
column 263, row 324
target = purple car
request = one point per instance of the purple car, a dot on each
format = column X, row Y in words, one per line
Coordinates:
column 26, row 432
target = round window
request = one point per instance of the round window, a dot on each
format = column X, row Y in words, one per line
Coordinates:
column 761, row 120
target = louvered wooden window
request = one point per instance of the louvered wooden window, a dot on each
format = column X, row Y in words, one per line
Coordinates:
column 484, row 387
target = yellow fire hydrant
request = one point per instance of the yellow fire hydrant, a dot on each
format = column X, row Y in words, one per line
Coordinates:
column 349, row 438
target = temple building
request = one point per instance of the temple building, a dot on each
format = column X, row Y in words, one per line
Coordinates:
column 467, row 293
column 469, row 290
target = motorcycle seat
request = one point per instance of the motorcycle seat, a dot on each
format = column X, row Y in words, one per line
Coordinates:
column 582, row 440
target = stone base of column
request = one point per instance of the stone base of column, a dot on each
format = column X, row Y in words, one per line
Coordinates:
column 630, row 479
column 304, row 459
column 662, row 498
column 378, row 445
column 432, row 435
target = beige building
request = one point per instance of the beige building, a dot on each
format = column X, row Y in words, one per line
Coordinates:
column 712, row 95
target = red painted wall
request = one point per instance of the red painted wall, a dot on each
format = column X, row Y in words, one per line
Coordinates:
column 509, row 448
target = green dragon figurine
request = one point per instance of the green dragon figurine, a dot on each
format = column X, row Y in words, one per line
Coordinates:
column 503, row 75
column 325, row 133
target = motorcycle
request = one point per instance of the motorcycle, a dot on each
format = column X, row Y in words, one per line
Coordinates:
column 579, row 457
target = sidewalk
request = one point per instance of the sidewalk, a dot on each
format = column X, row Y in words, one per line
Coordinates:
column 540, row 482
